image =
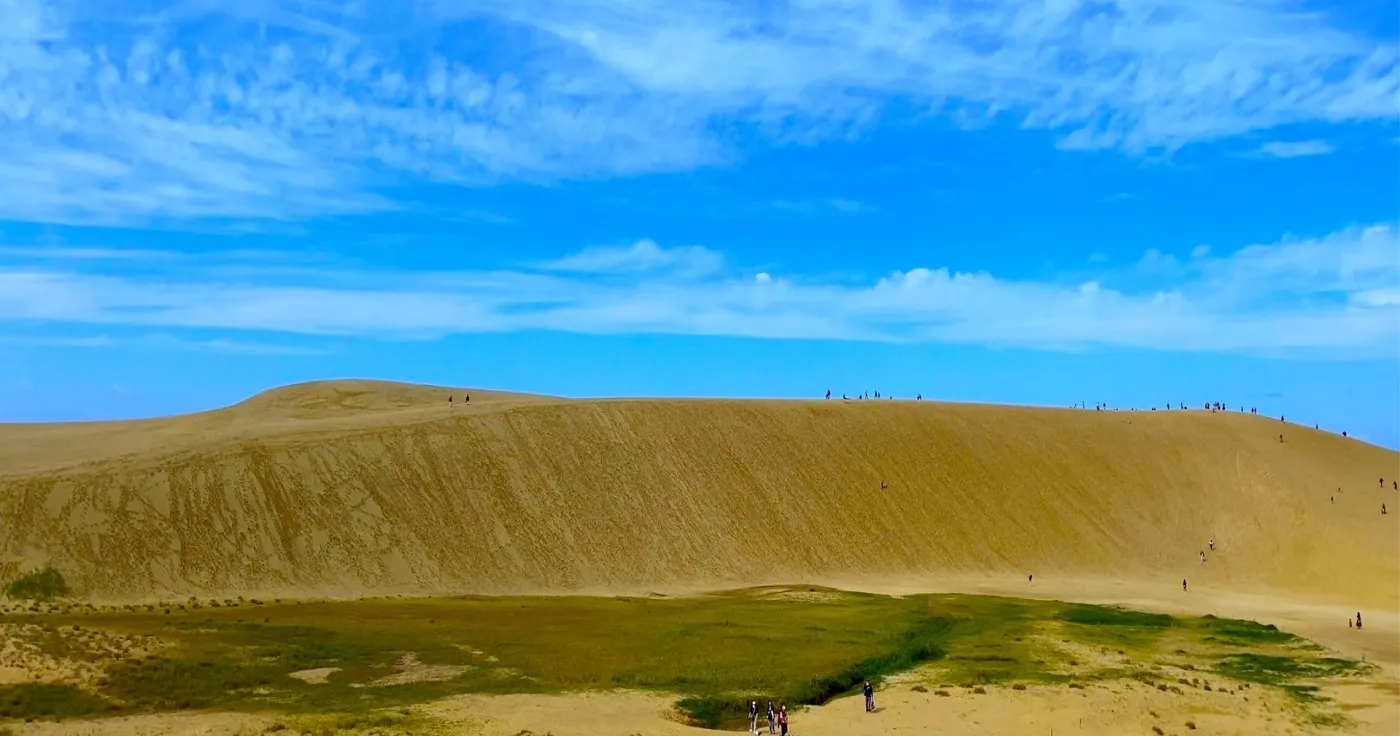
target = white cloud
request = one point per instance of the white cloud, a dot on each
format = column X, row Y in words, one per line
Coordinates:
column 1329, row 296
column 285, row 109
column 159, row 342
column 1295, row 149
column 642, row 256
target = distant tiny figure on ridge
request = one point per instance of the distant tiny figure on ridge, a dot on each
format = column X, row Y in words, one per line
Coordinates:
column 1183, row 585
column 1358, row 619
column 828, row 393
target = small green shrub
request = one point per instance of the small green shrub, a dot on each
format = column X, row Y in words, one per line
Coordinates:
column 40, row 585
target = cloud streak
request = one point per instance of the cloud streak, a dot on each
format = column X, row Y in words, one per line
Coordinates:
column 274, row 109
column 1295, row 149
column 1335, row 295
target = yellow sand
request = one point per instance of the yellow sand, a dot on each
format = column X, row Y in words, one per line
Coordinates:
column 355, row 487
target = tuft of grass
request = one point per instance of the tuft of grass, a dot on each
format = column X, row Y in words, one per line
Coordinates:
column 1085, row 615
column 40, row 585
column 1267, row 669
column 1239, row 632
column 30, row 700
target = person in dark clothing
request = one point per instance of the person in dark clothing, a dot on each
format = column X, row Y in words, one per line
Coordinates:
column 1358, row 619
column 828, row 393
column 869, row 697
column 1183, row 585
column 782, row 720
column 753, row 717
column 772, row 718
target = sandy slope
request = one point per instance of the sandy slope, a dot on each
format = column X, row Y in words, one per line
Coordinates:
column 342, row 488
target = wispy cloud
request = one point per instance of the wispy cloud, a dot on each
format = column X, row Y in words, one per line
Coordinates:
column 640, row 257
column 282, row 109
column 833, row 205
column 160, row 342
column 1295, row 149
column 1331, row 295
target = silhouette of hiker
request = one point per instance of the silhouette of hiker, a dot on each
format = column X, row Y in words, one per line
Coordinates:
column 467, row 398
column 1394, row 486
column 1212, row 545
column 1382, row 482
column 1030, row 578
column 1344, row 433
column 869, row 697
column 1358, row 619
column 449, row 398
column 1183, row 585
column 1280, row 437
column 828, row 393
column 920, row 397
column 772, row 718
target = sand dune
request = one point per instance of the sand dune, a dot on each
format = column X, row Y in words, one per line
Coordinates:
column 354, row 487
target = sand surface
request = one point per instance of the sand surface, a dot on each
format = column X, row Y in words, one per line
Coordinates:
column 354, row 488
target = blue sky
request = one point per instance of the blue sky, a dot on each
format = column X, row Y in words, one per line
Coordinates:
column 1138, row 201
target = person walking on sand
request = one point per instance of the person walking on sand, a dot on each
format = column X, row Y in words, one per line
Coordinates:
column 869, row 697
column 1212, row 545
column 782, row 720
column 1183, row 585
column 753, row 717
column 1358, row 619
column 772, row 719
column 828, row 393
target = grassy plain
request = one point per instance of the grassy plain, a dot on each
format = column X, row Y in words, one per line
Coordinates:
column 360, row 660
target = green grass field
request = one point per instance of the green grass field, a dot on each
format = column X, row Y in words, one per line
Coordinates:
column 801, row 647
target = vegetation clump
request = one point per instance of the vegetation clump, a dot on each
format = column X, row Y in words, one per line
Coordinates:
column 40, row 585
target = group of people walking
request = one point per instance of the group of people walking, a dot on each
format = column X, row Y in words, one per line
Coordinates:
column 777, row 719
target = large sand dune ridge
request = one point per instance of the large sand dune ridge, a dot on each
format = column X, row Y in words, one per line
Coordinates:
column 345, row 488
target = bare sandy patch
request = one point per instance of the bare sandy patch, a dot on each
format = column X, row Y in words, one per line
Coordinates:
column 316, row 676
column 412, row 670
column 75, row 654
column 163, row 724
